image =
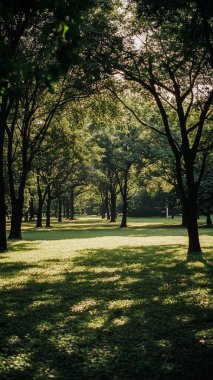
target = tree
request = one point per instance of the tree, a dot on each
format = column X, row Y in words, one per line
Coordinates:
column 58, row 25
column 30, row 121
column 122, row 147
column 62, row 164
column 178, row 77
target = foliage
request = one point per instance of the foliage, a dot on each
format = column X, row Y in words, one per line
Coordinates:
column 196, row 31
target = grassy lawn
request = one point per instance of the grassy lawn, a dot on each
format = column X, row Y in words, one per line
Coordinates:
column 86, row 300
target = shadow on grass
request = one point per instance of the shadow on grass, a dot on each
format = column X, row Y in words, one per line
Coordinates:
column 19, row 246
column 83, row 230
column 63, row 234
column 131, row 313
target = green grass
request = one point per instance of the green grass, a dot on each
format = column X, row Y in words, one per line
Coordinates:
column 86, row 300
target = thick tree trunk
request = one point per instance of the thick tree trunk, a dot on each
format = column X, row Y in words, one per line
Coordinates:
column 72, row 205
column 17, row 201
column 124, row 216
column 102, row 210
column 16, row 218
column 172, row 212
column 48, row 207
column 208, row 218
column 103, row 214
column 192, row 225
column 26, row 216
column 189, row 203
column 17, row 197
column 59, row 210
column 113, row 205
column 39, row 214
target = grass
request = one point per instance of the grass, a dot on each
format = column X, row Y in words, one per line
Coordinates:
column 86, row 300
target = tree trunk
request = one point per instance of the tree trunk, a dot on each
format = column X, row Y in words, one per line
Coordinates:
column 40, row 204
column 125, row 201
column 16, row 218
column 103, row 206
column 189, row 203
column 72, row 206
column 208, row 218
column 107, row 204
column 3, row 209
column 59, row 210
column 102, row 209
column 31, row 209
column 113, row 204
column 64, row 209
column 26, row 216
column 172, row 212
column 67, row 208
column 39, row 214
column 48, row 206
column 55, row 209
column 17, row 201
column 124, row 216
column 3, row 238
column 103, row 214
column 17, row 197
column 192, row 225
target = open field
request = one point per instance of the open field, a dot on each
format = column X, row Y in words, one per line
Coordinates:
column 86, row 300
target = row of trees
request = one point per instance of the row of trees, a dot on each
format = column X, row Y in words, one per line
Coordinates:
column 154, row 59
column 40, row 45
column 110, row 157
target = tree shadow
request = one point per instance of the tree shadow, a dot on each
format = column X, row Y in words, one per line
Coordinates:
column 88, row 229
column 124, row 314
column 90, row 232
column 20, row 246
column 195, row 256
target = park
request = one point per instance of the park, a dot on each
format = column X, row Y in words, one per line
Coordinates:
column 106, row 189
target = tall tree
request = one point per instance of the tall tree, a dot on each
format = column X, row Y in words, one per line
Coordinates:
column 154, row 60
column 58, row 24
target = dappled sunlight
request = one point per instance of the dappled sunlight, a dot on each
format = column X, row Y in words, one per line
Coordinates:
column 97, row 322
column 121, row 304
column 164, row 343
column 84, row 305
column 126, row 312
column 113, row 279
column 119, row 321
column 46, row 302
column 19, row 363
column 142, row 230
